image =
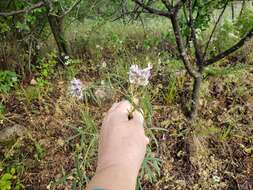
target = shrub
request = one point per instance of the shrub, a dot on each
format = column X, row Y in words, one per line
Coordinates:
column 244, row 22
column 8, row 80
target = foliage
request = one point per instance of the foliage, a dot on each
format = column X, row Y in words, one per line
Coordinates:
column 245, row 21
column 9, row 181
column 228, row 34
column 46, row 66
column 150, row 167
column 8, row 80
column 202, row 11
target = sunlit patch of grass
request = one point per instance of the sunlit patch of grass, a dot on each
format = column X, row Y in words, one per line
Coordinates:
column 18, row 155
column 150, row 169
column 206, row 129
column 236, row 72
column 2, row 111
column 171, row 93
column 84, row 142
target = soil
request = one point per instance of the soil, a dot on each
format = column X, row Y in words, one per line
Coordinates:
column 214, row 152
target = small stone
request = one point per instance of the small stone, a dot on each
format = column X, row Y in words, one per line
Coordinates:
column 60, row 142
column 103, row 93
column 33, row 82
column 10, row 133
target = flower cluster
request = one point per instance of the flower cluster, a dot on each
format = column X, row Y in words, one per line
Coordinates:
column 76, row 88
column 138, row 76
column 67, row 60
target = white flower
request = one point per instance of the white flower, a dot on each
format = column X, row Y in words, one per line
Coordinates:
column 102, row 82
column 164, row 137
column 66, row 57
column 103, row 65
column 159, row 61
column 38, row 47
column 75, row 88
column 216, row 179
column 139, row 76
column 68, row 62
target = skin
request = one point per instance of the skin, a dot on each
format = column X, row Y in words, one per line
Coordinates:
column 122, row 149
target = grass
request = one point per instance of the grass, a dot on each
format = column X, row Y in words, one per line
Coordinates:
column 70, row 128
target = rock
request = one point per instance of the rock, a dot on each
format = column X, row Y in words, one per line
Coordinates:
column 33, row 82
column 10, row 133
column 103, row 93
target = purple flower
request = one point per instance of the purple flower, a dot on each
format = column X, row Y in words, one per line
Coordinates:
column 139, row 76
column 75, row 88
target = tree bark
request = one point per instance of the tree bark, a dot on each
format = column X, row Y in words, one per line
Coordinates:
column 195, row 97
column 56, row 25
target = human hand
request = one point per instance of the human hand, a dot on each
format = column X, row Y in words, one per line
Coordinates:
column 122, row 141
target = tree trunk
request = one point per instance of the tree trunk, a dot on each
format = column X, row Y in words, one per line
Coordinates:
column 56, row 25
column 195, row 97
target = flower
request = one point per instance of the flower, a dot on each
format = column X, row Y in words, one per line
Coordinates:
column 66, row 57
column 216, row 179
column 164, row 137
column 75, row 88
column 38, row 47
column 68, row 62
column 103, row 65
column 139, row 76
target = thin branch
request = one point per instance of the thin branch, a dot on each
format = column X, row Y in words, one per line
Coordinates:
column 214, row 28
column 129, row 13
column 71, row 8
column 12, row 13
column 198, row 53
column 230, row 50
column 179, row 4
column 242, row 8
column 167, row 4
column 181, row 47
column 152, row 10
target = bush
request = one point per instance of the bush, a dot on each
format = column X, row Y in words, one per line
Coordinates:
column 228, row 35
column 244, row 22
column 8, row 80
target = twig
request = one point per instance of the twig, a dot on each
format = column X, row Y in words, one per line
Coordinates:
column 152, row 10
column 198, row 53
column 214, row 29
column 71, row 8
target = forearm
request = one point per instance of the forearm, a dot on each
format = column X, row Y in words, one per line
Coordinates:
column 114, row 178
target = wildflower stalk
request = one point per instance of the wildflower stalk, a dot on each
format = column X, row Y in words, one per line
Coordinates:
column 138, row 78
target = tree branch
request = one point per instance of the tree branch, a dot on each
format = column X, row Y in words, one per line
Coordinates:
column 230, row 50
column 179, row 4
column 12, row 13
column 71, row 8
column 167, row 4
column 152, row 10
column 214, row 29
column 198, row 53
column 181, row 47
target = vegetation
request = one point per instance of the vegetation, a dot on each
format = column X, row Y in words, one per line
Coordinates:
column 63, row 64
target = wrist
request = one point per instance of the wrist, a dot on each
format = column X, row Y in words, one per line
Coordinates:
column 123, row 168
column 114, row 177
